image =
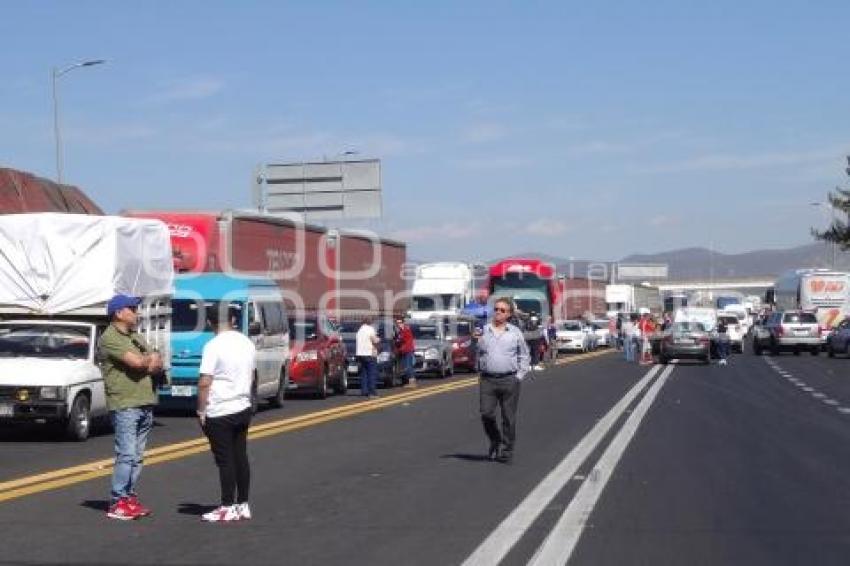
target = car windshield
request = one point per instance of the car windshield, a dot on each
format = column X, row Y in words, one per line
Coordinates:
column 349, row 327
column 728, row 319
column 44, row 341
column 423, row 332
column 800, row 318
column 302, row 328
column 457, row 328
column 570, row 326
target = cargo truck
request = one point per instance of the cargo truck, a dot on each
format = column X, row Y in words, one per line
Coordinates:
column 57, row 272
column 338, row 272
column 441, row 289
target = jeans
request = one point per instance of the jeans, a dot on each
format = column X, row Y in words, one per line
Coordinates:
column 368, row 375
column 407, row 361
column 629, row 347
column 228, row 436
column 132, row 427
column 502, row 392
column 723, row 349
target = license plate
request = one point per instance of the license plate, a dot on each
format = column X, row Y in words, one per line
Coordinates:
column 353, row 368
column 684, row 341
column 7, row 410
column 801, row 332
column 182, row 390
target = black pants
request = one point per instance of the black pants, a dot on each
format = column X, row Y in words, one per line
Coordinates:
column 228, row 436
column 504, row 393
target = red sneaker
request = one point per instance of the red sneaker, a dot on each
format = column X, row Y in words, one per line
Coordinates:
column 121, row 510
column 136, row 507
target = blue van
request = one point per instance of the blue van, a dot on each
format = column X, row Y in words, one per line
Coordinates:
column 256, row 303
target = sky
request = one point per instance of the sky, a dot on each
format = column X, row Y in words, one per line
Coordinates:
column 579, row 129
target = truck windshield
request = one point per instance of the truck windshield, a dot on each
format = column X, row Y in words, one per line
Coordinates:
column 425, row 332
column 189, row 315
column 44, row 341
column 436, row 302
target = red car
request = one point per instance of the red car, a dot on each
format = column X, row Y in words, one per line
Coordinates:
column 459, row 331
column 317, row 356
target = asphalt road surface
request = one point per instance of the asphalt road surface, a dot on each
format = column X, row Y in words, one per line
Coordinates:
column 615, row 463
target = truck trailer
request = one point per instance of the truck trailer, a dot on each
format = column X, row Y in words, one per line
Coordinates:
column 338, row 272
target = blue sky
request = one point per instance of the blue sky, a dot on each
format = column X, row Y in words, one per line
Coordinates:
column 583, row 129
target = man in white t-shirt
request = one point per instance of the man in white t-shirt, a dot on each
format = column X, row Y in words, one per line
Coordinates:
column 367, row 354
column 224, row 410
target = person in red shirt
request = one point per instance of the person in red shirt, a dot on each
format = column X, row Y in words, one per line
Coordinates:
column 405, row 348
column 647, row 327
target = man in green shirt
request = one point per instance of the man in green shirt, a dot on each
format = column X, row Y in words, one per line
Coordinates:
column 127, row 364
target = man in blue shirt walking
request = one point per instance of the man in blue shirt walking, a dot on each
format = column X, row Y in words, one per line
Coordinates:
column 503, row 362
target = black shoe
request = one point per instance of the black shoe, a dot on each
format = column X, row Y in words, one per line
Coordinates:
column 493, row 453
column 505, row 457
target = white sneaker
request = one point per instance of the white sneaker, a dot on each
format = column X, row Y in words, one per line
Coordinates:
column 539, row 367
column 722, row 362
column 244, row 511
column 221, row 514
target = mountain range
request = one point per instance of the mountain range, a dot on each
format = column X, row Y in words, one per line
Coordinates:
column 702, row 263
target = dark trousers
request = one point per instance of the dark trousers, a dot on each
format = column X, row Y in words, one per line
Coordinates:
column 228, row 436
column 368, row 375
column 502, row 392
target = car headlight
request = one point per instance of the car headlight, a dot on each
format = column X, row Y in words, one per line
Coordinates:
column 432, row 353
column 307, row 356
column 50, row 393
column 384, row 357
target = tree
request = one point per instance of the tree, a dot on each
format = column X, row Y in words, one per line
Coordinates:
column 839, row 231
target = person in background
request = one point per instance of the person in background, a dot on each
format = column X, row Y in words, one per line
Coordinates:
column 619, row 331
column 128, row 364
column 224, row 411
column 646, row 328
column 367, row 354
column 627, row 336
column 722, row 341
column 405, row 346
column 503, row 362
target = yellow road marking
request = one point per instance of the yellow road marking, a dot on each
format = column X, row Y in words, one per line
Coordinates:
column 63, row 477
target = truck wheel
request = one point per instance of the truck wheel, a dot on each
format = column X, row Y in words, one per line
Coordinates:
column 322, row 391
column 815, row 351
column 277, row 400
column 830, row 350
column 341, row 386
column 78, row 423
column 797, row 351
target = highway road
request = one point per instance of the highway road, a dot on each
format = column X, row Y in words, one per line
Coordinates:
column 615, row 464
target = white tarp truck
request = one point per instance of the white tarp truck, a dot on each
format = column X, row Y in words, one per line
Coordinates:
column 441, row 289
column 57, row 272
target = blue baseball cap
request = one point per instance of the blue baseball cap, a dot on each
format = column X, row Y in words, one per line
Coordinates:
column 119, row 302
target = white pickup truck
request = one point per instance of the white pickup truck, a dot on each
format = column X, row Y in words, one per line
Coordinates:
column 56, row 275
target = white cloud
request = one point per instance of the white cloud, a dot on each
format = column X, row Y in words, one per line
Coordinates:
column 190, row 88
column 484, row 133
column 662, row 220
column 546, row 227
column 437, row 233
column 723, row 162
column 495, row 162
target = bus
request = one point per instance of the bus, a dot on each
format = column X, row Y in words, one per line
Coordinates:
column 823, row 291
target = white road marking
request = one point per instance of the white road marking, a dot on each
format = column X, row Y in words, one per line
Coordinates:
column 819, row 395
column 562, row 540
column 497, row 545
column 808, row 389
column 844, row 410
column 832, row 402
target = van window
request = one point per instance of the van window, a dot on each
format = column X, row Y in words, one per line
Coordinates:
column 801, row 318
column 272, row 316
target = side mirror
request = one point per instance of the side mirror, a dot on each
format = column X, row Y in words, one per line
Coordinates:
column 254, row 329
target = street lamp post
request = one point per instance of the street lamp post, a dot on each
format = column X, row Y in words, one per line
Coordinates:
column 56, row 74
column 832, row 212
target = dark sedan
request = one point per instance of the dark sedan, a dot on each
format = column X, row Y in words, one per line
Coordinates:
column 685, row 340
column 389, row 364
